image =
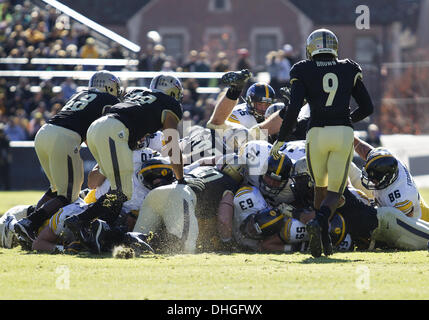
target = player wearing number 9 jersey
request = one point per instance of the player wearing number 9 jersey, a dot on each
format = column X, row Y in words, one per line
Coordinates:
column 327, row 84
column 57, row 145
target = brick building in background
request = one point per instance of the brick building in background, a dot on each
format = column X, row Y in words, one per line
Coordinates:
column 262, row 26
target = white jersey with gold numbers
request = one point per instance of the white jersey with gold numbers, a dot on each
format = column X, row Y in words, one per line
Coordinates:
column 241, row 115
column 255, row 154
column 403, row 195
column 247, row 200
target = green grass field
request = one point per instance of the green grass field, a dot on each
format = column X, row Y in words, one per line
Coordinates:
column 356, row 275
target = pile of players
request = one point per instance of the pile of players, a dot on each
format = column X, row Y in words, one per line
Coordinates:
column 219, row 188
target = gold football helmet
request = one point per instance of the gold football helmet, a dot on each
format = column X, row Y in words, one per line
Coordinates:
column 105, row 81
column 169, row 85
column 321, row 41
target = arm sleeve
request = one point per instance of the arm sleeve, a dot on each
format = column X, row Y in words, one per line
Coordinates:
column 291, row 114
column 364, row 101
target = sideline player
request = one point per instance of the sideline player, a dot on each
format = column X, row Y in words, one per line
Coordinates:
column 57, row 145
column 112, row 138
column 327, row 84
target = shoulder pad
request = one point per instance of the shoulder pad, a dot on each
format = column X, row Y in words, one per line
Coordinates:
column 354, row 64
column 242, row 191
column 295, row 70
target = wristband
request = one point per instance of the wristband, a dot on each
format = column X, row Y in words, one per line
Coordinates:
column 233, row 93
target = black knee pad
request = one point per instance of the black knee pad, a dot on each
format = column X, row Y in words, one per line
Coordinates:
column 63, row 200
column 49, row 193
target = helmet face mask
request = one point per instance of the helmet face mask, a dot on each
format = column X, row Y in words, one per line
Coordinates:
column 155, row 173
column 259, row 97
column 262, row 224
column 321, row 41
column 105, row 81
column 169, row 85
column 276, row 177
column 380, row 171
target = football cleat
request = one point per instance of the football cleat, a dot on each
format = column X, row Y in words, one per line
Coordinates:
column 92, row 237
column 25, row 229
column 327, row 244
column 315, row 233
column 236, row 79
column 73, row 248
column 137, row 242
column 24, row 243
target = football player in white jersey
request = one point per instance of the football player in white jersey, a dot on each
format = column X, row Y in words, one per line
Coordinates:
column 363, row 222
column 261, row 167
column 390, row 181
column 255, row 221
column 201, row 142
column 259, row 97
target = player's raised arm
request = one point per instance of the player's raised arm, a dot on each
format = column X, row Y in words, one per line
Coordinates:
column 236, row 82
column 361, row 147
column 170, row 122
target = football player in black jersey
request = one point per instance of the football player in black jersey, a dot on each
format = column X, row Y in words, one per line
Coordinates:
column 112, row 138
column 58, row 143
column 327, row 84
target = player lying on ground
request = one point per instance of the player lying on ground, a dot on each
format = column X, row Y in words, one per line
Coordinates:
column 388, row 181
column 357, row 223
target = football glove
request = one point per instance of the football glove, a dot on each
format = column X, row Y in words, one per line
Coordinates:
column 182, row 181
column 236, row 80
column 275, row 150
column 285, row 95
column 285, row 209
column 196, row 184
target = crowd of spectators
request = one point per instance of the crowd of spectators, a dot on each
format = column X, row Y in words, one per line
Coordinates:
column 30, row 31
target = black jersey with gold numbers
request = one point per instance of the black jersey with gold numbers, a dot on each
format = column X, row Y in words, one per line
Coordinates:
column 82, row 109
column 328, row 89
column 143, row 112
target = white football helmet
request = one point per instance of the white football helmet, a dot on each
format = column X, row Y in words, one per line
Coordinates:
column 169, row 85
column 106, row 81
column 274, row 108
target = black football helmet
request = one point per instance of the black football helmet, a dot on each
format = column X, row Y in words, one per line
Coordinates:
column 380, row 171
column 259, row 97
column 155, row 173
column 262, row 224
column 276, row 176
